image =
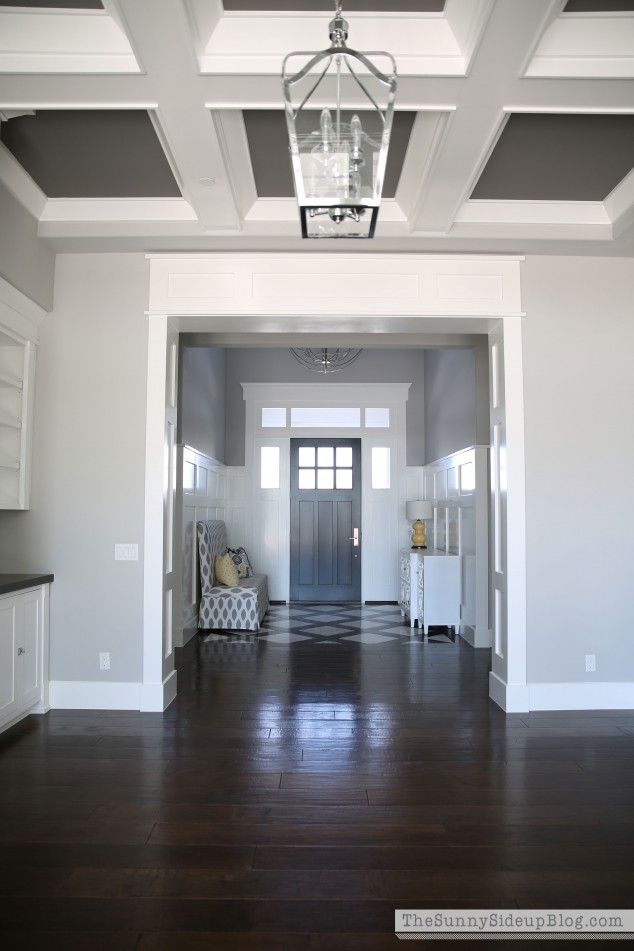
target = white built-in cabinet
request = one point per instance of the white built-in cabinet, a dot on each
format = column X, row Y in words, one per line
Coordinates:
column 17, row 358
column 430, row 588
column 23, row 654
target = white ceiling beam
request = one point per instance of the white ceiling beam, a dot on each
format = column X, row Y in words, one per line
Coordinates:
column 63, row 41
column 586, row 44
column 257, row 43
column 472, row 132
column 161, row 33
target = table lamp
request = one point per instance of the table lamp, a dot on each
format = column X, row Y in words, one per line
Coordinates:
column 417, row 511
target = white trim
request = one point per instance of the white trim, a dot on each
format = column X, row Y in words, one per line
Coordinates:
column 578, row 696
column 21, row 185
column 476, row 636
column 518, row 698
column 324, row 284
column 481, row 211
column 93, row 695
column 586, row 45
column 19, row 313
column 513, row 698
column 118, row 209
column 154, row 529
column 155, row 698
column 63, row 41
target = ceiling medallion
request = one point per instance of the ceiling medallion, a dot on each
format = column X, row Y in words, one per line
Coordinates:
column 325, row 360
column 339, row 167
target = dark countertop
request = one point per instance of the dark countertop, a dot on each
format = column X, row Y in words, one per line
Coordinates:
column 10, row 583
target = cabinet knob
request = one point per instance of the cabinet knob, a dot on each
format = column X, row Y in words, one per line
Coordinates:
column 21, row 651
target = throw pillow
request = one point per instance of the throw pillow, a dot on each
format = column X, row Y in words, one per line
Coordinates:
column 225, row 571
column 241, row 561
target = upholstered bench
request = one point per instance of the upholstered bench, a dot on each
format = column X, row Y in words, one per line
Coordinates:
column 227, row 607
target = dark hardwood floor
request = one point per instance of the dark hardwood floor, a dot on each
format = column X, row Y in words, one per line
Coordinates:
column 299, row 791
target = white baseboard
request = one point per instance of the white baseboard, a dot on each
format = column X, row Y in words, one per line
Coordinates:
column 600, row 696
column 154, row 698
column 475, row 636
column 514, row 698
column 95, row 695
column 182, row 635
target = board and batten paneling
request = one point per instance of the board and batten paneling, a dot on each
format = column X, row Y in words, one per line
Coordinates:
column 458, row 487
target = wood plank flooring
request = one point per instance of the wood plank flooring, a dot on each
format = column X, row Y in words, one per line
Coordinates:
column 297, row 793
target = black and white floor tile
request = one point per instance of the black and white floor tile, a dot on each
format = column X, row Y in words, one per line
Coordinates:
column 335, row 624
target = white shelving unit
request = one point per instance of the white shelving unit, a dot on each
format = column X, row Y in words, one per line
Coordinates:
column 17, row 357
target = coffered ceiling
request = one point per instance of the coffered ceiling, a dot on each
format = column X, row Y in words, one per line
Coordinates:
column 158, row 125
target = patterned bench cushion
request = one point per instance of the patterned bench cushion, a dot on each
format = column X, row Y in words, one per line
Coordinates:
column 228, row 608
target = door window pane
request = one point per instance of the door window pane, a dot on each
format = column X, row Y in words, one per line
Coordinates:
column 307, row 455
column 306, row 479
column 344, row 478
column 325, row 456
column 344, row 456
column 325, row 479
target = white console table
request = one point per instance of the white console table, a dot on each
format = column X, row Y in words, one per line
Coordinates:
column 430, row 587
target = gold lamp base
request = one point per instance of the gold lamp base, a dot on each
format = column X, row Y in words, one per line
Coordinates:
column 419, row 538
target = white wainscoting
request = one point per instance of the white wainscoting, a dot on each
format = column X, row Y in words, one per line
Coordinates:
column 458, row 487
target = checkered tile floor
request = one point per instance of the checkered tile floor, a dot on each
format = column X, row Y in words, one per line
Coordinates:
column 335, row 624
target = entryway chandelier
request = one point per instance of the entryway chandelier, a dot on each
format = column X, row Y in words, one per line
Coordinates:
column 338, row 155
column 325, row 360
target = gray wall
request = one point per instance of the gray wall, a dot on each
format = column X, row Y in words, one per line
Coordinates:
column 89, row 467
column 450, row 406
column 201, row 403
column 88, row 473
column 578, row 341
column 25, row 261
column 279, row 366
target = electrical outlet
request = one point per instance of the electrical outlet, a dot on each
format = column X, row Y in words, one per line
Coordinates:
column 591, row 663
column 104, row 661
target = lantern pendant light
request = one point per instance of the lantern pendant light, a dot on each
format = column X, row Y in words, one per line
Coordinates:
column 339, row 153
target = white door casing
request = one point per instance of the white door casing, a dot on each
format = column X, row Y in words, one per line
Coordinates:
column 434, row 292
column 158, row 688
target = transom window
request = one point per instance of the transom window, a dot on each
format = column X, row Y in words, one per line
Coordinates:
column 325, row 417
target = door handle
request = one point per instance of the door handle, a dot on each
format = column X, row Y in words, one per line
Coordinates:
column 354, row 538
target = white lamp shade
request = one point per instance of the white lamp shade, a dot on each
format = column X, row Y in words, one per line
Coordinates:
column 418, row 509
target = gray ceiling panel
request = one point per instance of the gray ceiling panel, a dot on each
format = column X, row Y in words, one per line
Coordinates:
column 558, row 158
column 598, row 6
column 91, row 154
column 56, row 4
column 348, row 6
column 268, row 146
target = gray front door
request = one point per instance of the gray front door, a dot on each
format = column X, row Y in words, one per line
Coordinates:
column 325, row 520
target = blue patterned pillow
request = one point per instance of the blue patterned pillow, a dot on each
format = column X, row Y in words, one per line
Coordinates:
column 241, row 561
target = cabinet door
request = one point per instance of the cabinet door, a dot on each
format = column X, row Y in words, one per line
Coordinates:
column 30, row 663
column 8, row 656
